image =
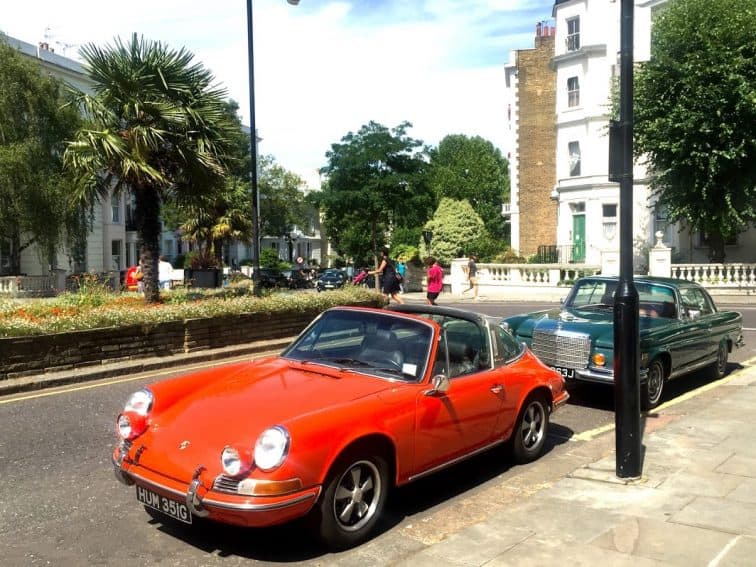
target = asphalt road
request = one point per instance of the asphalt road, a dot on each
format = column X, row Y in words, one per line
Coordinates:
column 60, row 504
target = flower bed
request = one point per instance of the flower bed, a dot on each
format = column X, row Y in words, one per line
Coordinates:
column 47, row 335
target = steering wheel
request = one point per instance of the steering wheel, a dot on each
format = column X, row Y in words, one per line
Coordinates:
column 388, row 363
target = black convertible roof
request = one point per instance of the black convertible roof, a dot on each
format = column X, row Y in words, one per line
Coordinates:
column 420, row 309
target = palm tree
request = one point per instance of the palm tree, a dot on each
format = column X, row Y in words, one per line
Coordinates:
column 158, row 127
column 220, row 218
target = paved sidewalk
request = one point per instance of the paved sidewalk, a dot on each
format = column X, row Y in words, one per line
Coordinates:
column 694, row 505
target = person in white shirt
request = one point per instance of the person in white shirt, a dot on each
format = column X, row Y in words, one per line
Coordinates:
column 164, row 273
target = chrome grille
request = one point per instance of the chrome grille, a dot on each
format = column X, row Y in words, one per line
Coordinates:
column 225, row 483
column 562, row 348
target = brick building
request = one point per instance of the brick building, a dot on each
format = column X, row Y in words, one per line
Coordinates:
column 531, row 85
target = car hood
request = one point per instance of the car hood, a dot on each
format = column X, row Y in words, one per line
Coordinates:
column 599, row 325
column 235, row 406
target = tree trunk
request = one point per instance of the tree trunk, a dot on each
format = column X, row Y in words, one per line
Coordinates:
column 148, row 227
column 15, row 258
column 716, row 248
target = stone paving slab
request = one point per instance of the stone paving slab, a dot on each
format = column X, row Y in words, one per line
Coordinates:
column 531, row 554
column 719, row 514
column 665, row 542
column 476, row 545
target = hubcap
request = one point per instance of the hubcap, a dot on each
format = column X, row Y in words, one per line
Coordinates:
column 722, row 359
column 655, row 380
column 532, row 426
column 357, row 496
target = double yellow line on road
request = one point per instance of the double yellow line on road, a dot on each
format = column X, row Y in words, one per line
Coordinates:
column 593, row 433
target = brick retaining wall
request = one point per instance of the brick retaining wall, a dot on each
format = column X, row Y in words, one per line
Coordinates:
column 26, row 356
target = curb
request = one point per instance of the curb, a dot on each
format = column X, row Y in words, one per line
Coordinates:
column 136, row 366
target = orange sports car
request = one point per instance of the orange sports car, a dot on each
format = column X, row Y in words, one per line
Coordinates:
column 363, row 400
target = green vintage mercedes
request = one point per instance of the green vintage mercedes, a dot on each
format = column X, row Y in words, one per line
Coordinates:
column 681, row 330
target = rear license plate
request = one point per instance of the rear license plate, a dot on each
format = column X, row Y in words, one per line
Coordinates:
column 568, row 373
column 172, row 508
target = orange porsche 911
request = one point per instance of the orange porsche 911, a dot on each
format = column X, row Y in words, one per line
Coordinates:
column 363, row 400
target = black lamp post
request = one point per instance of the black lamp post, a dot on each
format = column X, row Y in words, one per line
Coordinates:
column 427, row 237
column 253, row 153
column 626, row 327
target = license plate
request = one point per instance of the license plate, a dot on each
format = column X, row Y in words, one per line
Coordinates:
column 172, row 508
column 568, row 373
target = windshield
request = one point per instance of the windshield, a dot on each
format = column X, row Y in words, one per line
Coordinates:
column 655, row 300
column 385, row 345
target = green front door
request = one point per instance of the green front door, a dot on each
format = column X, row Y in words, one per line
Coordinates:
column 578, row 238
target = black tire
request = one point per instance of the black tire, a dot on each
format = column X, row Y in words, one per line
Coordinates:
column 719, row 368
column 652, row 389
column 353, row 500
column 531, row 428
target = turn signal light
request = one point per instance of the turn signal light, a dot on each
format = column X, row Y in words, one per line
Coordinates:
column 599, row 359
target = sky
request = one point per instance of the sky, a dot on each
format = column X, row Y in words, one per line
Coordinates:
column 323, row 68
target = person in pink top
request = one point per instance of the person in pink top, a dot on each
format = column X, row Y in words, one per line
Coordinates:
column 435, row 280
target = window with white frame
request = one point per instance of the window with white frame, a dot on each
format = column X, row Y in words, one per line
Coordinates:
column 115, row 254
column 573, row 91
column 115, row 209
column 609, row 219
column 573, row 34
column 573, row 150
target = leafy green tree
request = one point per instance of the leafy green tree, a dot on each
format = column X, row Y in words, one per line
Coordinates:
column 472, row 169
column 34, row 123
column 282, row 200
column 695, row 110
column 160, row 129
column 455, row 226
column 375, row 182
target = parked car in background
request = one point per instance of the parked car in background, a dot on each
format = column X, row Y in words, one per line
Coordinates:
column 272, row 278
column 363, row 400
column 330, row 279
column 295, row 279
column 681, row 330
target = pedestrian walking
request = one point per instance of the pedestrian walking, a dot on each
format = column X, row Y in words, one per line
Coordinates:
column 401, row 269
column 165, row 271
column 390, row 285
column 435, row 280
column 472, row 276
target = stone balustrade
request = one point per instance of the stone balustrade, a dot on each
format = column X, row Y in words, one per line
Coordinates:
column 28, row 286
column 717, row 275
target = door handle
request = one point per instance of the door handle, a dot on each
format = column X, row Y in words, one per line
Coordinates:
column 497, row 389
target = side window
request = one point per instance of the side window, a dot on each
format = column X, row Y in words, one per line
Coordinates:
column 466, row 346
column 509, row 348
column 693, row 298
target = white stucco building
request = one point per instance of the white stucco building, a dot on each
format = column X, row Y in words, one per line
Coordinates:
column 586, row 65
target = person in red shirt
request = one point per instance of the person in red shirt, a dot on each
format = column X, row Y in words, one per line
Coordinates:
column 435, row 280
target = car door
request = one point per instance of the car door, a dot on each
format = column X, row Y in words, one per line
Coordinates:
column 462, row 419
column 698, row 316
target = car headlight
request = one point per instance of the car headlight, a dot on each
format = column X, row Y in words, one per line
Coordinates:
column 235, row 462
column 140, row 402
column 271, row 448
column 130, row 425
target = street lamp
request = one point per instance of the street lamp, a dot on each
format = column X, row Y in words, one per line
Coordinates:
column 626, row 325
column 427, row 236
column 253, row 151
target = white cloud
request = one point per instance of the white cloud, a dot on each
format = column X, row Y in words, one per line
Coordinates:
column 325, row 68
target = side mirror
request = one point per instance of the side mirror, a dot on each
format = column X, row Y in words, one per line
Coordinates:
column 440, row 383
column 693, row 314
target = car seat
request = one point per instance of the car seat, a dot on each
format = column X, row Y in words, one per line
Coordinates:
column 381, row 347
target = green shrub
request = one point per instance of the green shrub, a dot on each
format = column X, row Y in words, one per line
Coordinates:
column 44, row 316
